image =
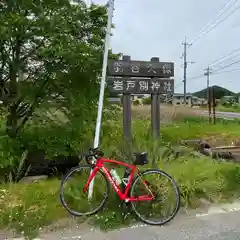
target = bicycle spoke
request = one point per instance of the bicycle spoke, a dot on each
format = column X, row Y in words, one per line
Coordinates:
column 166, row 197
column 75, row 199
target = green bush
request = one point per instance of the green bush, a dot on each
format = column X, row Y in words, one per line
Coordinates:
column 33, row 206
column 65, row 138
column 147, row 101
column 136, row 102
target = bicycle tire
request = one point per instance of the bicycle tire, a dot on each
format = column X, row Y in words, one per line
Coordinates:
column 65, row 205
column 177, row 192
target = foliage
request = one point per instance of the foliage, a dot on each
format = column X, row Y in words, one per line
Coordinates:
column 147, row 100
column 210, row 180
column 28, row 207
column 136, row 102
column 50, row 55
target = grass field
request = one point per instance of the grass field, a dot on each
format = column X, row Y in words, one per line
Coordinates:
column 30, row 207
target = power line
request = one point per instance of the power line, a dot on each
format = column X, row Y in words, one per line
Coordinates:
column 226, row 61
column 212, row 73
column 228, row 65
column 221, row 58
column 217, row 24
column 196, row 77
column 210, row 19
column 229, row 71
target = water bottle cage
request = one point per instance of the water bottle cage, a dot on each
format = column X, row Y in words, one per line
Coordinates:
column 125, row 181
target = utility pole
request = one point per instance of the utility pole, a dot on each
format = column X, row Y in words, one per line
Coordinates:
column 185, row 65
column 207, row 73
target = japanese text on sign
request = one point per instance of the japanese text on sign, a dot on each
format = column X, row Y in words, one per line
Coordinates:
column 140, row 69
column 130, row 85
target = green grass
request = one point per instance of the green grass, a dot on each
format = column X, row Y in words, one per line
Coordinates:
column 228, row 109
column 193, row 128
column 29, row 207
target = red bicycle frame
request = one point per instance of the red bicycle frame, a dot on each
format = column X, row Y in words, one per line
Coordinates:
column 122, row 195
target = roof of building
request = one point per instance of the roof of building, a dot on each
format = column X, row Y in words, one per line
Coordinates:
column 182, row 95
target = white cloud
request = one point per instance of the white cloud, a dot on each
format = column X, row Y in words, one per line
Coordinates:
column 157, row 28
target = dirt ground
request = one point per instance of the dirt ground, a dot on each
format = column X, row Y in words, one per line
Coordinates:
column 168, row 113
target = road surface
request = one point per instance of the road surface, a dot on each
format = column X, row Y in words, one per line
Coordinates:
column 226, row 115
column 215, row 223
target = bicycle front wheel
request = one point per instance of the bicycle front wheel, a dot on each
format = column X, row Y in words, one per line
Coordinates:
column 75, row 200
column 166, row 202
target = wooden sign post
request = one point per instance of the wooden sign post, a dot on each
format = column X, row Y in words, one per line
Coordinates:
column 140, row 77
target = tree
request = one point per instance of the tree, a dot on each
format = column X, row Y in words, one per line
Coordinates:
column 50, row 52
column 219, row 92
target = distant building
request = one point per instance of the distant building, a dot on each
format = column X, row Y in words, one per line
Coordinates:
column 227, row 99
column 118, row 98
column 138, row 96
column 178, row 99
column 196, row 101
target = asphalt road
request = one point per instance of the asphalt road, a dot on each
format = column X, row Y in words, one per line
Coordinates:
column 217, row 224
column 226, row 115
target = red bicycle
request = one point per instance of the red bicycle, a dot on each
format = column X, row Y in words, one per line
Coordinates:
column 133, row 188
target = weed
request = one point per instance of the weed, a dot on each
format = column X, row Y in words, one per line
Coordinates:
column 28, row 207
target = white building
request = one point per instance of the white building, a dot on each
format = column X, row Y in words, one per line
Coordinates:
column 178, row 99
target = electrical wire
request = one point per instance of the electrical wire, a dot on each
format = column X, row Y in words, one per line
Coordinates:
column 231, row 13
column 221, row 58
column 196, row 77
column 217, row 24
column 212, row 73
column 228, row 65
column 226, row 61
column 211, row 19
column 229, row 71
column 202, row 75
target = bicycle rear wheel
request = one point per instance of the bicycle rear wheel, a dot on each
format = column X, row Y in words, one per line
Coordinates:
column 154, row 181
column 75, row 200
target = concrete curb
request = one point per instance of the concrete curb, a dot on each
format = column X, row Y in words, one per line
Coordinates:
column 212, row 210
column 223, row 208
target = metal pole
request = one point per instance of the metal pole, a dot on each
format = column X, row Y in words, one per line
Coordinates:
column 185, row 65
column 185, row 71
column 102, row 86
column 208, row 73
column 89, row 2
column 208, row 94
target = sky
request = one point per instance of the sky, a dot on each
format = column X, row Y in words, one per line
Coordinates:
column 157, row 28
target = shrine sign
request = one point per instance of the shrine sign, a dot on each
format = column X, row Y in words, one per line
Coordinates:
column 140, row 68
column 140, row 85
